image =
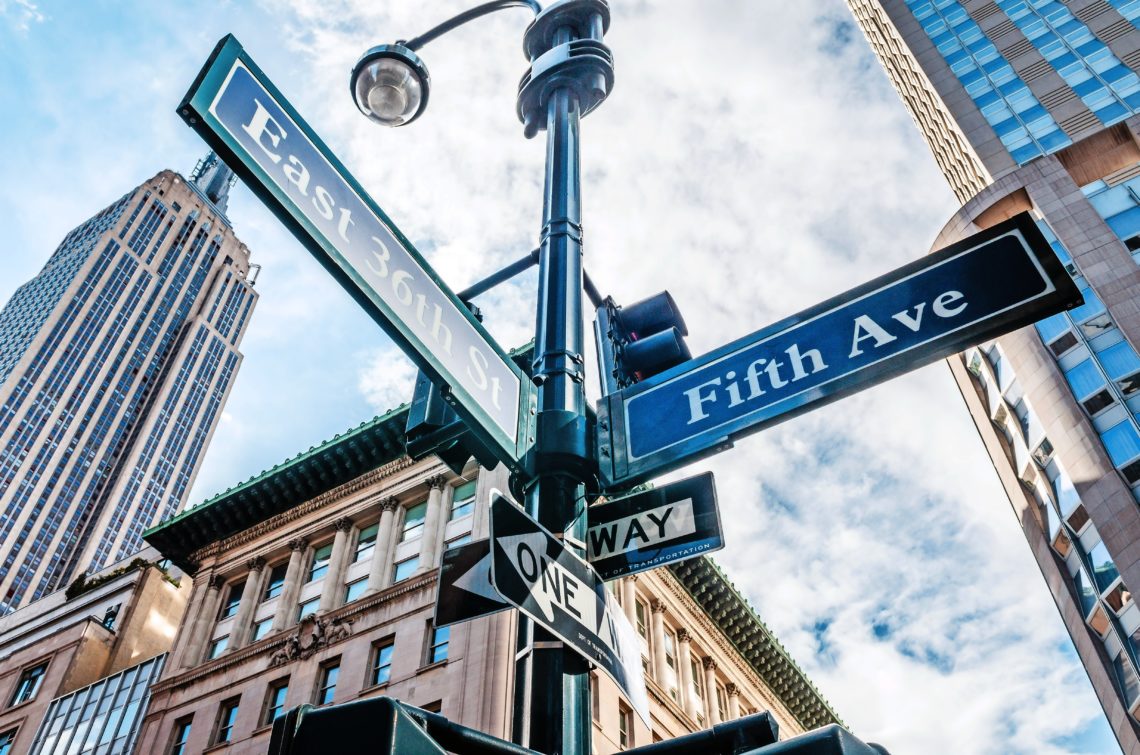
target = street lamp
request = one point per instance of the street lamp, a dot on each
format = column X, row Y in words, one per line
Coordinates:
column 390, row 85
column 571, row 73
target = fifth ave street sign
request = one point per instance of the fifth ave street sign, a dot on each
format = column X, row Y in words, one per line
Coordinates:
column 532, row 570
column 649, row 529
column 247, row 121
column 996, row 281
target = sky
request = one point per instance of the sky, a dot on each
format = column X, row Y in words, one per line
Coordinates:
column 753, row 160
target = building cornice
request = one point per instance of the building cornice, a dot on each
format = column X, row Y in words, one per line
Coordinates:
column 735, row 618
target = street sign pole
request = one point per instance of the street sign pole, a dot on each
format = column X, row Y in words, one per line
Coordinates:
column 552, row 683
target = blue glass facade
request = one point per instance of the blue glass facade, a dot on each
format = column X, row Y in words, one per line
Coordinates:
column 1025, row 127
column 1106, row 86
column 111, row 398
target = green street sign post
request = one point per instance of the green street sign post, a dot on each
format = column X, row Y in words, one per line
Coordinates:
column 247, row 121
column 538, row 426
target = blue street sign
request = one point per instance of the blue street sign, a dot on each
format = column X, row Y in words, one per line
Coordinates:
column 247, row 121
column 534, row 571
column 996, row 281
column 645, row 530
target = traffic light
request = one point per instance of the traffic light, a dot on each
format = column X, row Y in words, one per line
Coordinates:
column 433, row 427
column 640, row 340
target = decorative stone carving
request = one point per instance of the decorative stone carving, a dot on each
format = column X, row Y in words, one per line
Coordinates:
column 313, row 633
column 732, row 690
column 215, row 582
column 657, row 606
column 344, row 524
column 436, row 482
column 389, row 504
column 298, row 544
column 255, row 564
column 683, row 635
column 709, row 663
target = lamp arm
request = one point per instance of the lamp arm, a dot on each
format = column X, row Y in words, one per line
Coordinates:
column 469, row 15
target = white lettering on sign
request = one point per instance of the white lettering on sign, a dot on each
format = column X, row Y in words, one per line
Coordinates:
column 382, row 266
column 866, row 327
column 642, row 530
column 551, row 584
column 768, row 374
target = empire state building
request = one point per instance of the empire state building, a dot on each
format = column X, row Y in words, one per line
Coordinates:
column 116, row 360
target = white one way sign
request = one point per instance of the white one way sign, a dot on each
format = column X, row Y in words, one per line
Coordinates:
column 654, row 527
column 532, row 570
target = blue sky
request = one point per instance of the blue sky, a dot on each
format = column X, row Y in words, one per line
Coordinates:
column 753, row 160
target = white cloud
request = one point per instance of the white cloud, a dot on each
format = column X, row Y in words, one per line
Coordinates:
column 386, row 379
column 21, row 14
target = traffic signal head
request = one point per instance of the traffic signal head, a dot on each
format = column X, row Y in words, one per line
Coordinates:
column 650, row 337
column 433, row 427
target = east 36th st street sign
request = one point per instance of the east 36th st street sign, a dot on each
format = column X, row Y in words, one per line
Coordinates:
column 247, row 121
column 995, row 281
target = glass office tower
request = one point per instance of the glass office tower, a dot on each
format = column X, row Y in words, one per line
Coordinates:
column 1030, row 105
column 115, row 362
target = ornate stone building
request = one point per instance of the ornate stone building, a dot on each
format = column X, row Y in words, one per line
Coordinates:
column 315, row 582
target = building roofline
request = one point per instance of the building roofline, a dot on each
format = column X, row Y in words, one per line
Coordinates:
column 708, row 585
column 321, row 468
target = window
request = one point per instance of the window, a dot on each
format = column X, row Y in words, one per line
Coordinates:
column 320, row 563
column 227, row 715
column 308, row 607
column 276, row 582
column 6, row 740
column 354, row 590
column 413, row 521
column 405, row 568
column 625, row 726
column 217, row 647
column 275, row 701
column 29, row 684
column 455, row 542
column 595, row 699
column 326, row 690
column 671, row 662
column 381, row 663
column 233, row 600
column 437, row 646
column 177, row 741
column 698, row 678
column 261, row 629
column 462, row 500
column 365, row 543
column 642, row 625
column 722, row 702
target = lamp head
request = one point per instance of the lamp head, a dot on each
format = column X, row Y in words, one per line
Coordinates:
column 390, row 85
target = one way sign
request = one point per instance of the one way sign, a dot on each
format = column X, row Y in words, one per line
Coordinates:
column 531, row 569
column 653, row 528
column 465, row 590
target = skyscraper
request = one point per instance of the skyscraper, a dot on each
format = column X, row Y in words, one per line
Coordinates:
column 1030, row 105
column 115, row 362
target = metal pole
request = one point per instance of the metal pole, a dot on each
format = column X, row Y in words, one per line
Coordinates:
column 552, row 691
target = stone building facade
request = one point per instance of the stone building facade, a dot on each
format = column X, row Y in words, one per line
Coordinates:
column 120, row 618
column 315, row 582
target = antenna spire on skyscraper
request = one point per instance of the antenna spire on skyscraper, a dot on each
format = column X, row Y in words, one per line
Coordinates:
column 214, row 178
